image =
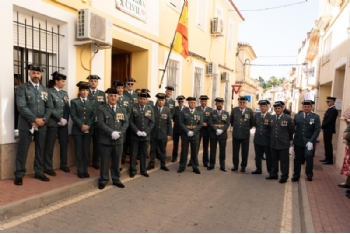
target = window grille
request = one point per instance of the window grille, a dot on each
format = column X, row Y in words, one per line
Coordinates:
column 172, row 73
column 198, row 72
column 215, row 90
column 35, row 41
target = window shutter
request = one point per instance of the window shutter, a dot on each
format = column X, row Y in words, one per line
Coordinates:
column 202, row 13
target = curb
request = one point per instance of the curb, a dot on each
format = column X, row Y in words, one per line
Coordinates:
column 307, row 225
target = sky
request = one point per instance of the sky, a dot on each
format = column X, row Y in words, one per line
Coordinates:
column 275, row 32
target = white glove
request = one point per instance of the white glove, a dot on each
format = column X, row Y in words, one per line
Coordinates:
column 115, row 135
column 60, row 123
column 139, row 133
column 144, row 134
column 309, row 146
column 63, row 122
column 190, row 134
column 291, row 143
column 219, row 132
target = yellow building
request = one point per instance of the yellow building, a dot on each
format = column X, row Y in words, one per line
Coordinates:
column 114, row 39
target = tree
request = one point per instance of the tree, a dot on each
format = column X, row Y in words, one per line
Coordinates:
column 262, row 82
column 274, row 82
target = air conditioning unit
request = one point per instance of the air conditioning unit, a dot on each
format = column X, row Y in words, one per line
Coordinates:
column 94, row 26
column 225, row 77
column 217, row 26
column 212, row 69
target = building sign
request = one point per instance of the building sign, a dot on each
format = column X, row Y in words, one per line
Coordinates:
column 249, row 97
column 135, row 8
column 338, row 104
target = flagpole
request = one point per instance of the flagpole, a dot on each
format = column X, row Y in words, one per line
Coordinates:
column 171, row 48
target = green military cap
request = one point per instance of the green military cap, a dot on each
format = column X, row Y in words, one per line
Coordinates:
column 219, row 99
column 191, row 99
column 145, row 91
column 118, row 83
column 203, row 97
column 111, row 91
column 34, row 67
column 58, row 76
column 93, row 77
column 278, row 103
column 170, row 88
column 263, row 102
column 308, row 102
column 144, row 95
column 331, row 99
column 160, row 96
column 129, row 79
column 242, row 98
column 83, row 85
column 180, row 97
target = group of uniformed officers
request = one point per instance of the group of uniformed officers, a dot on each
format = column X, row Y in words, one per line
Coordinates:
column 125, row 122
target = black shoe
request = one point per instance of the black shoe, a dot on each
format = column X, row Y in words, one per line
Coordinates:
column 282, row 181
column 86, row 175
column 119, row 184
column 323, row 160
column 132, row 175
column 123, row 161
column 18, row 181
column 344, row 185
column 189, row 164
column 149, row 167
column 210, row 168
column 347, row 191
column 347, row 195
column 180, row 170
column 295, row 179
column 205, row 165
column 81, row 175
column 196, row 170
column 256, row 172
column 101, row 186
column 164, row 168
column 42, row 177
column 97, row 167
column 243, row 169
column 263, row 158
column 65, row 169
column 309, row 178
column 223, row 169
column 145, row 174
column 234, row 169
column 173, row 160
column 50, row 172
column 327, row 163
column 270, row 177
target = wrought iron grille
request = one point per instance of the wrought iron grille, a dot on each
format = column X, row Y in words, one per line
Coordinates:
column 197, row 83
column 172, row 72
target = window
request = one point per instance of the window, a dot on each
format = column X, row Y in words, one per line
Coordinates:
column 219, row 15
column 176, row 4
column 230, row 35
column 327, row 49
column 198, row 73
column 214, row 90
column 202, row 14
column 172, row 73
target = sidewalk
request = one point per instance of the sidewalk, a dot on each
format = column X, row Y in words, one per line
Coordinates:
column 34, row 194
column 330, row 208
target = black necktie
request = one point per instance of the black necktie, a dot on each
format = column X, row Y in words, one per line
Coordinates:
column 141, row 109
column 113, row 108
column 159, row 110
column 84, row 101
column 93, row 92
column 36, row 87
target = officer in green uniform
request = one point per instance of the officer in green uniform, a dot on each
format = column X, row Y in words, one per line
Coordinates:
column 176, row 130
column 218, row 122
column 57, row 125
column 123, row 102
column 141, row 124
column 99, row 97
column 161, row 132
column 112, row 121
column 262, row 137
column 190, row 124
column 307, row 129
column 35, row 107
column 242, row 120
column 204, row 132
column 149, row 102
column 169, row 102
column 83, row 114
column 281, row 139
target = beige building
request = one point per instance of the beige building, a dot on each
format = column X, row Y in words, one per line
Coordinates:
column 250, row 86
column 116, row 39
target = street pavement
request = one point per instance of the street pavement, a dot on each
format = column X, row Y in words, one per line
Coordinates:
column 213, row 201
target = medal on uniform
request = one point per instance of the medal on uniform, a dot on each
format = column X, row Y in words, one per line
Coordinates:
column 107, row 120
column 65, row 98
column 126, row 103
column 164, row 116
column 312, row 121
column 171, row 106
column 148, row 113
column 100, row 99
column 224, row 117
column 44, row 96
column 246, row 116
column 119, row 117
column 266, row 121
column 135, row 99
column 207, row 113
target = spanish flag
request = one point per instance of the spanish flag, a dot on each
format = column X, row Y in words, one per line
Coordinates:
column 181, row 38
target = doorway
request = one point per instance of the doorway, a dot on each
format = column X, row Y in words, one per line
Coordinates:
column 121, row 64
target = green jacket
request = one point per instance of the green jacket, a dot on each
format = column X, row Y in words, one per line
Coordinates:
column 109, row 121
column 282, row 131
column 133, row 98
column 162, row 123
column 190, row 122
column 124, row 102
column 32, row 104
column 262, row 129
column 205, row 130
column 141, row 121
column 170, row 103
column 82, row 114
column 241, row 122
column 61, row 107
column 306, row 130
column 217, row 121
column 176, row 118
column 100, row 99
